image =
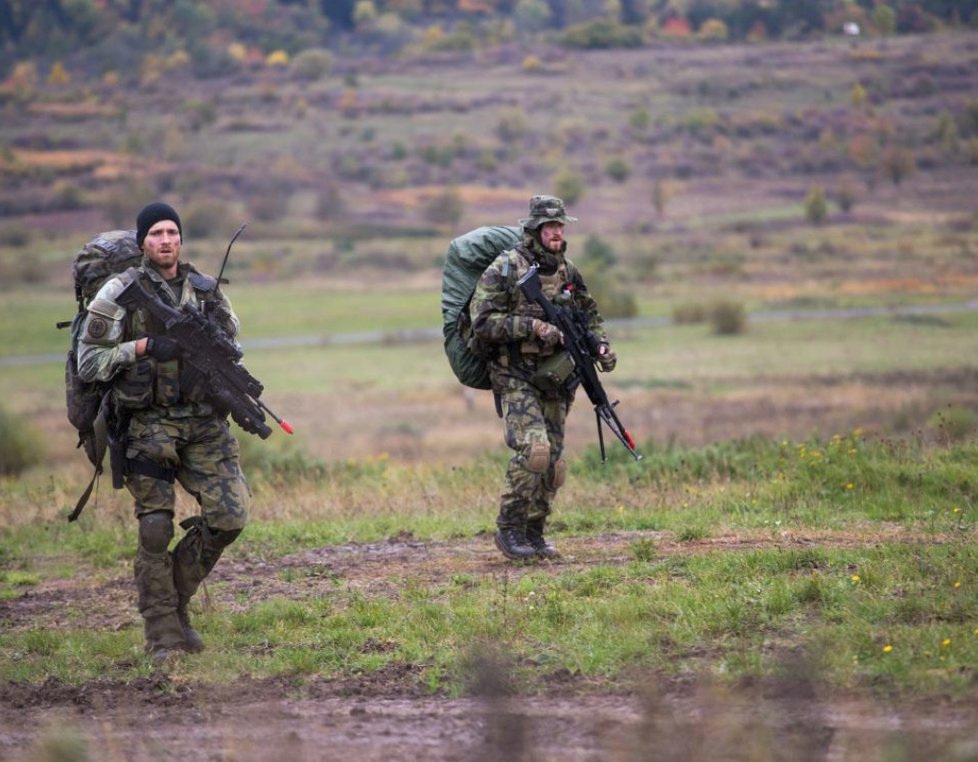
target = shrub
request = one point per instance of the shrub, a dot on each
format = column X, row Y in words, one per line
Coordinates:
column 311, row 64
column 688, row 313
column 618, row 169
column 444, row 208
column 598, row 252
column 613, row 300
column 15, row 234
column 269, row 206
column 845, row 196
column 569, row 186
column 602, row 34
column 728, row 318
column 329, row 202
column 816, row 208
column 512, row 125
column 203, row 219
column 21, row 445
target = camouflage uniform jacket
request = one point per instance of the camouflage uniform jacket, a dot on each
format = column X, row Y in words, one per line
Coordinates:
column 502, row 317
column 107, row 344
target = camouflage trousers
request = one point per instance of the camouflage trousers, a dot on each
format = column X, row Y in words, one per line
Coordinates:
column 534, row 430
column 203, row 455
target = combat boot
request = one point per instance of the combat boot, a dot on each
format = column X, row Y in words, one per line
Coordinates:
column 536, row 540
column 192, row 638
column 164, row 636
column 512, row 543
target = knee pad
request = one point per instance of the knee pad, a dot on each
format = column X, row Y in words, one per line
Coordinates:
column 155, row 531
column 538, row 459
column 560, row 472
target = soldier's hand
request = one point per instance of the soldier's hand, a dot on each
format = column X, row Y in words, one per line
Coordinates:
column 607, row 358
column 163, row 348
column 548, row 333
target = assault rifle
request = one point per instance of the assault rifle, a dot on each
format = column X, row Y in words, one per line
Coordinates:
column 582, row 346
column 212, row 359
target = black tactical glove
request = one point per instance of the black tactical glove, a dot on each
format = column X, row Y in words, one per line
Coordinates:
column 162, row 348
column 607, row 358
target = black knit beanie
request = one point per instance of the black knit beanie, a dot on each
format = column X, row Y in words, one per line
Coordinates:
column 150, row 215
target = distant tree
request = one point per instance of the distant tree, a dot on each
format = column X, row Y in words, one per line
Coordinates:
column 897, row 164
column 661, row 193
column 639, row 119
column 598, row 252
column 634, row 11
column 445, row 208
column 512, row 125
column 618, row 169
column 569, row 185
column 533, row 15
column 312, row 64
column 884, row 18
column 713, row 30
column 59, row 75
column 339, row 12
column 816, row 208
column 946, row 132
column 364, row 13
column 845, row 196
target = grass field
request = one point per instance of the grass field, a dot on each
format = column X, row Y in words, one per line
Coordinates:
column 791, row 569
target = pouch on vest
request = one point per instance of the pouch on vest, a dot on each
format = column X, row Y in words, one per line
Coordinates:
column 552, row 373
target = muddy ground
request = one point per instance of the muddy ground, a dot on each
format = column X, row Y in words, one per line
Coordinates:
column 390, row 716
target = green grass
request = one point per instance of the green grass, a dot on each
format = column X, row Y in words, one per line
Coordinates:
column 898, row 614
column 889, row 615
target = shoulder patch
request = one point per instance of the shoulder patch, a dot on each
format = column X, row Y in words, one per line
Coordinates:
column 97, row 327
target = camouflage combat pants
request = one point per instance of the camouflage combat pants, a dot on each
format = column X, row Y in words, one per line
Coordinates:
column 203, row 454
column 534, row 430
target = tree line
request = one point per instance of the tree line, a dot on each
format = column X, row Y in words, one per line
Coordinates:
column 51, row 29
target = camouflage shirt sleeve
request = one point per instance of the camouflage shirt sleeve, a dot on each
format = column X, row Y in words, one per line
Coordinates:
column 226, row 317
column 584, row 302
column 102, row 348
column 491, row 305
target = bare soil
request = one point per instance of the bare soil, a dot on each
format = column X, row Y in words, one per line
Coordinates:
column 389, row 715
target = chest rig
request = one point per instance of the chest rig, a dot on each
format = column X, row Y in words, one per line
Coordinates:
column 531, row 349
column 150, row 382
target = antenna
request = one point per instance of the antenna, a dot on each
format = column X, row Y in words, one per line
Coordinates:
column 220, row 275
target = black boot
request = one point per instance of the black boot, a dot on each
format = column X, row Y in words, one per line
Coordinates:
column 194, row 643
column 534, row 536
column 512, row 543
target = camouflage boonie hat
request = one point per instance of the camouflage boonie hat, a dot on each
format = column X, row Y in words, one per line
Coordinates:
column 546, row 209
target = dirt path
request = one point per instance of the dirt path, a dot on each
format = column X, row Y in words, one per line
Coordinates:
column 388, row 716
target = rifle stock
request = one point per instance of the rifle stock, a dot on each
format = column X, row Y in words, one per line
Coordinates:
column 582, row 346
column 214, row 358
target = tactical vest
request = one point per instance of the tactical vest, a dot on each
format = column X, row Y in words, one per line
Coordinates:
column 149, row 382
column 552, row 285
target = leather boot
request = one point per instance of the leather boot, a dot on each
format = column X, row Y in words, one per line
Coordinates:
column 534, row 536
column 512, row 543
column 194, row 643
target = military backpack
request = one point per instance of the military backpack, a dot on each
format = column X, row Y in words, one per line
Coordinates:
column 103, row 257
column 466, row 259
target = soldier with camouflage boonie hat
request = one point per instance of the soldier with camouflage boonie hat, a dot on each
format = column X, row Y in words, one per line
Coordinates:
column 546, row 209
column 530, row 372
